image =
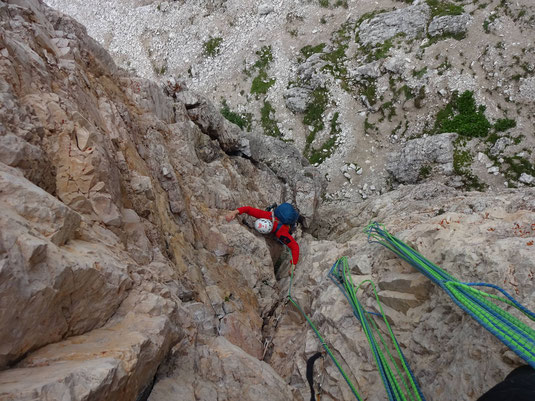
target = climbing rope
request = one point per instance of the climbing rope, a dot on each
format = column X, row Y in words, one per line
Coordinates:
column 395, row 382
column 321, row 339
column 479, row 304
column 399, row 386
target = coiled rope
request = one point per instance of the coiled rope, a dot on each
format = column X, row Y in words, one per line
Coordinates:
column 514, row 333
column 399, row 386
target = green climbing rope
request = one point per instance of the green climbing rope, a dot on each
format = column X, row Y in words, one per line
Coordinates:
column 320, row 337
column 514, row 333
column 399, row 381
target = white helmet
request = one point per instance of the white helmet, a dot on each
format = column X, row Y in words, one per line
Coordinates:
column 263, row 226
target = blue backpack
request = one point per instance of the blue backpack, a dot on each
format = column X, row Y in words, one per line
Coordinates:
column 287, row 214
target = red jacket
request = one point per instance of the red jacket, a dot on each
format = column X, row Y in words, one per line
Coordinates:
column 283, row 234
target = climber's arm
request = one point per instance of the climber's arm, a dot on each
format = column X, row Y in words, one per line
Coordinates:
column 258, row 213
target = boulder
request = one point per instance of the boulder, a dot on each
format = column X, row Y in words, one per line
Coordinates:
column 454, row 25
column 500, row 145
column 406, row 164
column 526, row 179
column 297, row 98
column 410, row 21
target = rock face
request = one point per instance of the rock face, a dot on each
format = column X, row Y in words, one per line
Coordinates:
column 120, row 279
column 422, row 153
column 465, row 234
column 449, row 25
column 112, row 248
column 409, row 21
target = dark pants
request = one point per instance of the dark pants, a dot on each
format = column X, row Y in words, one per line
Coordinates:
column 519, row 385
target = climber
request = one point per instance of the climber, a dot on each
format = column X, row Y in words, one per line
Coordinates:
column 278, row 222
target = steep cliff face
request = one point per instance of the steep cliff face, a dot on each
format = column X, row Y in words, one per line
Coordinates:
column 113, row 244
column 120, row 280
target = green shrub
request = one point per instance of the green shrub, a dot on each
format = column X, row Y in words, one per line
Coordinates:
column 265, row 57
column 327, row 149
column 262, row 83
column 419, row 73
column 242, row 120
column 424, row 172
column 503, row 124
column 268, row 123
column 517, row 166
column 308, row 50
column 463, row 116
column 440, row 8
column 212, row 47
column 314, row 114
column 315, row 109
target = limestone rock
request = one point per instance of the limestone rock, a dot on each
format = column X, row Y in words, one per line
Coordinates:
column 406, row 164
column 265, row 9
column 220, row 370
column 212, row 123
column 526, row 178
column 370, row 70
column 410, row 21
column 500, row 145
column 289, row 165
column 309, row 72
column 297, row 99
column 449, row 25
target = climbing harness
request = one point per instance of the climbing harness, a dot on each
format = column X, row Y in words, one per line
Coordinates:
column 479, row 304
column 399, row 386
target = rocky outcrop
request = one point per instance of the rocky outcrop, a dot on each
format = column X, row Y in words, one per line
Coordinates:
column 454, row 25
column 410, row 21
column 297, row 99
column 422, row 153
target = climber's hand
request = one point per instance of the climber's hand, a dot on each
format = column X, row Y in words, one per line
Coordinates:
column 291, row 269
column 229, row 217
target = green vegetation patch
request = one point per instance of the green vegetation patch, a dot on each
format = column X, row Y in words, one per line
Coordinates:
column 309, row 50
column 441, row 8
column 503, row 124
column 488, row 21
column 327, row 149
column 462, row 159
column 268, row 122
column 314, row 114
column 517, row 165
column 368, row 88
column 337, row 3
column 419, row 73
column 265, row 57
column 212, row 47
column 435, row 39
column 425, row 171
column 262, row 83
column 242, row 120
column 336, row 58
column 463, row 116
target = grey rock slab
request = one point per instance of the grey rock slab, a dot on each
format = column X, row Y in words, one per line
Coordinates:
column 410, row 21
column 405, row 164
column 526, row 179
column 297, row 99
column 500, row 146
column 449, row 25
